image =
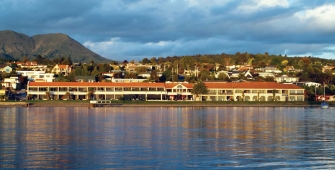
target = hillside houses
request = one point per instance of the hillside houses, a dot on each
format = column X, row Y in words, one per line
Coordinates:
column 62, row 68
column 5, row 68
column 174, row 87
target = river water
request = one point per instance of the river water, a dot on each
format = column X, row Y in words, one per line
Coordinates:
column 167, row 137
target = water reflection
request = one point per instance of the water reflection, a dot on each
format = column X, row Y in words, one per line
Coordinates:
column 161, row 137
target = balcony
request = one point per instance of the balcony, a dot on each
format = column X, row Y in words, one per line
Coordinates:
column 297, row 93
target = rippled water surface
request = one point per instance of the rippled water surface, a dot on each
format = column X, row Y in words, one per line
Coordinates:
column 167, row 138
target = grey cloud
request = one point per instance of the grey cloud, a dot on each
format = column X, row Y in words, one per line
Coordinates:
column 186, row 28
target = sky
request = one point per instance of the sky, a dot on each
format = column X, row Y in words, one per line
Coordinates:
column 137, row 29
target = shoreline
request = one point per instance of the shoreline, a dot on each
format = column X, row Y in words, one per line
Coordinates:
column 154, row 104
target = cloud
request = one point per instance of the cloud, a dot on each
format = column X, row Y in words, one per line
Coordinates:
column 133, row 29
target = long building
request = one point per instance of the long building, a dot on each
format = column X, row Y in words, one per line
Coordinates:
column 218, row 91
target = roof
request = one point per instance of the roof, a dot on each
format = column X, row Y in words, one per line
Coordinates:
column 215, row 85
column 63, row 66
column 96, row 84
column 251, row 85
column 172, row 85
column 3, row 65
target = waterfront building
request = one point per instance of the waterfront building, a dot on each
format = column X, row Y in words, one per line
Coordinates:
column 217, row 91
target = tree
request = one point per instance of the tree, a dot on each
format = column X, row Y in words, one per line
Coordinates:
column 223, row 76
column 130, row 76
column 145, row 61
column 66, row 96
column 168, row 75
column 269, row 79
column 67, row 61
column 199, row 88
column 141, row 69
column 153, row 60
column 104, row 68
column 191, row 79
column 95, row 72
column 154, row 76
column 47, row 95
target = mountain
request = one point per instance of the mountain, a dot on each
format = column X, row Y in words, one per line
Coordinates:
column 15, row 45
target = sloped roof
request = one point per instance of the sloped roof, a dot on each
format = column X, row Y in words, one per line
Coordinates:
column 172, row 85
column 63, row 66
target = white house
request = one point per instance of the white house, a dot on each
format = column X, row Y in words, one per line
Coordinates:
column 308, row 84
column 10, row 82
column 286, row 79
column 5, row 68
column 272, row 69
column 265, row 74
column 40, row 76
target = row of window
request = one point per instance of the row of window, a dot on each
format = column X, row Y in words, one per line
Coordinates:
column 94, row 89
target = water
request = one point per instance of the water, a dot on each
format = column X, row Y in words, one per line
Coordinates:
column 167, row 138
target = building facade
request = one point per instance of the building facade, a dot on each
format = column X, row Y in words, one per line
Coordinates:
column 218, row 91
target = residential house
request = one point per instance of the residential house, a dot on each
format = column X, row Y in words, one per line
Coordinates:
column 289, row 69
column 272, row 69
column 219, row 72
column 10, row 82
column 232, row 67
column 119, row 80
column 265, row 74
column 40, row 76
column 85, row 79
column 327, row 68
column 61, row 68
column 308, row 83
column 5, row 68
column 286, row 79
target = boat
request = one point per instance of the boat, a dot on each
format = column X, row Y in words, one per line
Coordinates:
column 324, row 104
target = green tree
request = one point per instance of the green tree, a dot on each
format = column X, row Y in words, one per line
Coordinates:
column 145, row 61
column 153, row 60
column 61, row 78
column 199, row 88
column 104, row 68
column 95, row 72
column 205, row 75
column 168, row 75
column 191, row 79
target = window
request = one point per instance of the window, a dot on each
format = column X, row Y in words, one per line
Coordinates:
column 109, row 89
column 43, row 89
column 118, row 89
column 53, row 88
column 300, row 98
column 135, row 89
column 63, row 89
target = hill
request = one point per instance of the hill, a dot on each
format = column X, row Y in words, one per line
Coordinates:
column 16, row 45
